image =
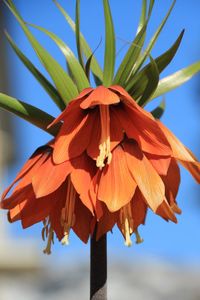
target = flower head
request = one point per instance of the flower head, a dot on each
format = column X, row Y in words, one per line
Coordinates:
column 109, row 163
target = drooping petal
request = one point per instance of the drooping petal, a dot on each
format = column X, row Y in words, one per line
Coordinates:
column 37, row 209
column 95, row 140
column 106, row 222
column 29, row 168
column 49, row 177
column 144, row 130
column 180, row 152
column 73, row 106
column 93, row 194
column 129, row 101
column 55, row 214
column 83, row 219
column 172, row 181
column 74, row 136
column 15, row 213
column 166, row 212
column 17, row 197
column 146, row 177
column 116, row 186
column 138, row 208
column 100, row 96
column 160, row 163
column 83, row 171
column 116, row 131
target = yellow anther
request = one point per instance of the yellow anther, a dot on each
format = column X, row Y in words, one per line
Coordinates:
column 65, row 240
column 139, row 240
column 126, row 221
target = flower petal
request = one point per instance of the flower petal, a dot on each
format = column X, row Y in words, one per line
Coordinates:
column 106, row 222
column 55, row 214
column 160, row 163
column 15, row 213
column 83, row 171
column 144, row 130
column 146, row 177
column 165, row 211
column 83, row 219
column 180, row 152
column 129, row 101
column 93, row 194
column 49, row 177
column 37, row 209
column 138, row 208
column 74, row 105
column 116, row 186
column 93, row 146
column 100, row 96
column 29, row 168
column 172, row 181
column 116, row 131
column 17, row 197
column 74, row 136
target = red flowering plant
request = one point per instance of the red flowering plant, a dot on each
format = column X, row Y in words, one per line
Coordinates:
column 109, row 160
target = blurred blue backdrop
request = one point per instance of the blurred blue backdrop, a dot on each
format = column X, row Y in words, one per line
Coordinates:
column 180, row 243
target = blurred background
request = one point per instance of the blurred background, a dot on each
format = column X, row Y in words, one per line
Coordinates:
column 167, row 264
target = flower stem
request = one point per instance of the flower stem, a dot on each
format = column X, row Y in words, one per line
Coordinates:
column 98, row 268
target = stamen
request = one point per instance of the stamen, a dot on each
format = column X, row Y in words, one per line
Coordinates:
column 126, row 221
column 67, row 215
column 104, row 147
column 139, row 240
column 47, row 250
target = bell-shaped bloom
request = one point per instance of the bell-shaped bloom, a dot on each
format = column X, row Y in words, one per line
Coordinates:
column 136, row 158
column 44, row 192
column 109, row 163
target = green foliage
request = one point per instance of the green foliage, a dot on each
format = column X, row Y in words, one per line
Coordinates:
column 175, row 80
column 29, row 113
column 140, row 77
column 109, row 56
column 49, row 88
column 159, row 110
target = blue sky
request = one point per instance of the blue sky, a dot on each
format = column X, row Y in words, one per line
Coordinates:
column 180, row 242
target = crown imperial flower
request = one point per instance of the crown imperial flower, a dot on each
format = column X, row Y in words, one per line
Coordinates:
column 109, row 163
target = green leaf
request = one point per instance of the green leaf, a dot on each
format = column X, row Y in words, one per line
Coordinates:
column 159, row 110
column 76, row 69
column 29, row 113
column 49, row 88
column 142, row 16
column 130, row 58
column 96, row 69
column 152, row 42
column 77, row 30
column 109, row 55
column 153, row 79
column 162, row 62
column 151, row 5
column 173, row 81
column 63, row 82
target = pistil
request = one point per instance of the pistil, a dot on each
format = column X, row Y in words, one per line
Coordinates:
column 104, row 147
column 67, row 214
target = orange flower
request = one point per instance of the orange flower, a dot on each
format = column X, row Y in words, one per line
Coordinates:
column 44, row 192
column 109, row 163
column 135, row 156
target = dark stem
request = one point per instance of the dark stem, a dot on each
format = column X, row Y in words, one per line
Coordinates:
column 98, row 268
